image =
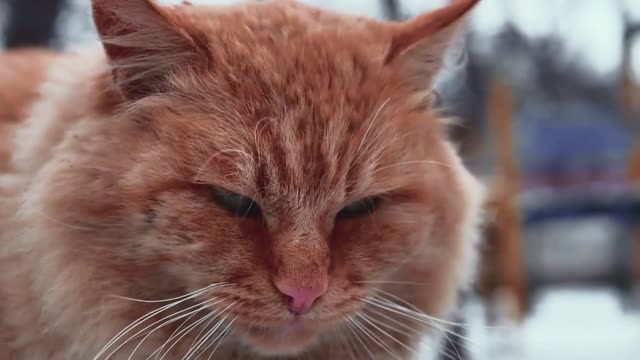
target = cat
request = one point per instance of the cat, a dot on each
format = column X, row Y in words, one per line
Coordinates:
column 259, row 180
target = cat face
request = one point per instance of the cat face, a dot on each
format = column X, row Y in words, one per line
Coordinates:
column 324, row 197
column 280, row 164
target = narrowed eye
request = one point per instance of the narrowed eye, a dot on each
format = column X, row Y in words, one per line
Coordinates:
column 237, row 204
column 360, row 207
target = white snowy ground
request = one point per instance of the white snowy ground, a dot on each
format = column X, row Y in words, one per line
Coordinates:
column 566, row 324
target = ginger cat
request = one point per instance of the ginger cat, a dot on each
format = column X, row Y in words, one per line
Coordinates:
column 241, row 182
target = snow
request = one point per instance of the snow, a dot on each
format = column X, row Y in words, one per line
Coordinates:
column 566, row 324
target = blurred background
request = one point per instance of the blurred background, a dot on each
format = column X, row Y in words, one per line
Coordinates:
column 547, row 94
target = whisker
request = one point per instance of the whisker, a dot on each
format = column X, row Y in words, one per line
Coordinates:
column 158, row 324
column 146, row 317
column 354, row 331
column 374, row 338
column 419, row 317
column 389, row 282
column 411, row 331
column 202, row 331
column 412, row 163
column 414, row 308
column 349, row 348
column 258, row 134
column 208, row 335
column 396, row 298
column 224, row 334
column 179, row 336
column 366, row 319
column 213, row 314
column 200, row 342
column 171, row 299
column 431, row 318
column 179, row 328
column 371, row 123
column 164, row 321
column 151, row 332
column 227, row 151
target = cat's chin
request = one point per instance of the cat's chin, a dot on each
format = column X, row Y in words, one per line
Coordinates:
column 282, row 340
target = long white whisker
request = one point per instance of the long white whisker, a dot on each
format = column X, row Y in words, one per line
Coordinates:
column 200, row 342
column 171, row 299
column 354, row 330
column 206, row 304
column 179, row 328
column 186, row 331
column 222, row 337
column 389, row 282
column 419, row 317
column 368, row 321
column 158, row 324
column 151, row 314
column 207, row 335
column 405, row 326
column 133, row 325
column 371, row 123
column 413, row 309
column 408, row 330
column 375, row 339
column 397, row 298
column 348, row 346
column 180, row 335
column 154, row 330
column 411, row 163
column 206, row 163
column 202, row 331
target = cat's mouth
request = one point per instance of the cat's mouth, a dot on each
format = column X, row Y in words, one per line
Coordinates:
column 286, row 338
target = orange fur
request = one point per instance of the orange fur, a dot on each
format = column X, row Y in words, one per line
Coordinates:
column 20, row 73
column 293, row 106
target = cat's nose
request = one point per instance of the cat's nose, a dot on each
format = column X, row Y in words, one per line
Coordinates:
column 302, row 298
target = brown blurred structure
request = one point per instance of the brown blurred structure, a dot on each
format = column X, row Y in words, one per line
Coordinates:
column 502, row 263
column 631, row 103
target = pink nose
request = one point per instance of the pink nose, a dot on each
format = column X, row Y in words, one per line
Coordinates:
column 301, row 299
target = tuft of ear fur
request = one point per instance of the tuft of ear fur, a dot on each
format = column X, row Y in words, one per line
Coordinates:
column 143, row 42
column 419, row 45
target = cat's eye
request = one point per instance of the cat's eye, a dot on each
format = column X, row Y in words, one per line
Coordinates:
column 237, row 204
column 359, row 208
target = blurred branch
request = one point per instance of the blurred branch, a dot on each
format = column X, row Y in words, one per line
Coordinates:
column 31, row 22
column 631, row 30
column 392, row 9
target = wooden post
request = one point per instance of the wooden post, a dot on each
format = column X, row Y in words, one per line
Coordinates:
column 507, row 258
column 631, row 104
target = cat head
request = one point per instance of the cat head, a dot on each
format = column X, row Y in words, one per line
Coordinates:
column 285, row 153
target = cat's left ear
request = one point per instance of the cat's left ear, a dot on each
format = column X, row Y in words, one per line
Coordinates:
column 144, row 42
column 418, row 46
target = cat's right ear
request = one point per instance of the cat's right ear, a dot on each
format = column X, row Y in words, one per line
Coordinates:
column 143, row 42
column 419, row 45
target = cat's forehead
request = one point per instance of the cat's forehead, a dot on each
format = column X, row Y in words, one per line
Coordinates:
column 295, row 101
column 282, row 36
column 276, row 59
